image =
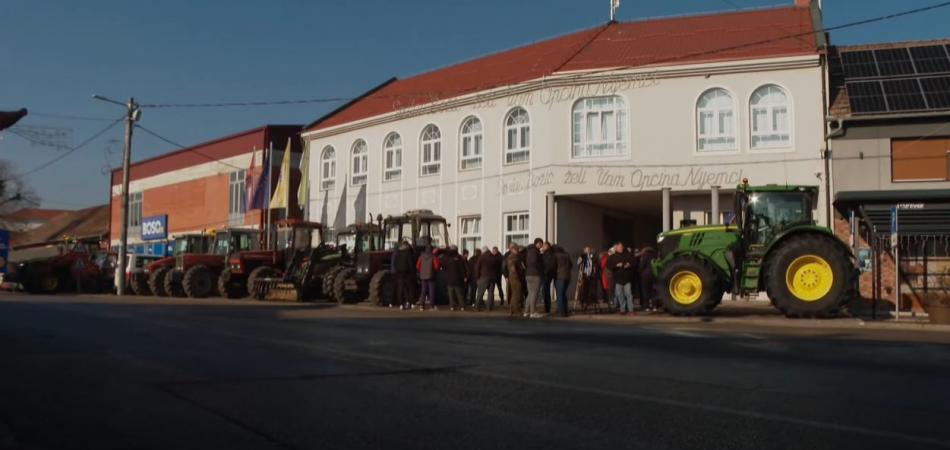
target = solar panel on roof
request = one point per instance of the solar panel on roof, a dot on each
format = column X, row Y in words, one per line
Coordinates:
column 866, row 97
column 903, row 95
column 937, row 91
column 894, row 61
column 930, row 59
column 859, row 64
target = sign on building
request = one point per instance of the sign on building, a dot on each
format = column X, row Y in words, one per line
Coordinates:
column 154, row 227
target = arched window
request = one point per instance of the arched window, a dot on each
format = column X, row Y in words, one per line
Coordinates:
column 715, row 121
column 359, row 155
column 517, row 136
column 470, row 151
column 392, row 157
column 769, row 110
column 431, row 150
column 600, row 127
column 327, row 169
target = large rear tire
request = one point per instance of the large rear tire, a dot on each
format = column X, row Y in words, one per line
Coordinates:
column 808, row 275
column 382, row 288
column 139, row 285
column 260, row 273
column 198, row 282
column 156, row 281
column 172, row 283
column 328, row 283
column 50, row 283
column 340, row 293
column 689, row 286
column 230, row 286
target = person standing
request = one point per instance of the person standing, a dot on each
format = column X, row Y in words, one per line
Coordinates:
column 453, row 269
column 427, row 265
column 588, row 280
column 606, row 279
column 499, row 261
column 514, row 267
column 471, row 293
column 562, row 278
column 487, row 269
column 405, row 274
column 533, row 272
column 647, row 294
column 623, row 266
column 549, row 276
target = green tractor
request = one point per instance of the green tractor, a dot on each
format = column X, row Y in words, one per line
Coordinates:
column 772, row 245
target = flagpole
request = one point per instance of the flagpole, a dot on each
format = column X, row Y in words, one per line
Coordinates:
column 270, row 163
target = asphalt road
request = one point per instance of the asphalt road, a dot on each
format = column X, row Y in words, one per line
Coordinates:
column 102, row 373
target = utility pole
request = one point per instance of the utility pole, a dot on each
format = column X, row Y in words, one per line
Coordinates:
column 133, row 113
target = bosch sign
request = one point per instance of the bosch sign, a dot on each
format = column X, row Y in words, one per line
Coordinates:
column 155, row 227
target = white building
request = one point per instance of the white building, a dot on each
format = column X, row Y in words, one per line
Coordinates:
column 610, row 133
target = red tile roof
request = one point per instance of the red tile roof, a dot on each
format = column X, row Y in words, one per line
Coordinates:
column 656, row 42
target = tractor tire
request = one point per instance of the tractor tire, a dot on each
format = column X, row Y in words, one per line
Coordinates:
column 258, row 273
column 382, row 289
column 328, row 283
column 230, row 286
column 156, row 281
column 689, row 286
column 339, row 288
column 808, row 276
column 139, row 286
column 50, row 283
column 172, row 284
column 198, row 282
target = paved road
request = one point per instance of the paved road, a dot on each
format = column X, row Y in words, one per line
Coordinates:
column 103, row 373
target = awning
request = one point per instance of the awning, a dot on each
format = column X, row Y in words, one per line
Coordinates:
column 920, row 211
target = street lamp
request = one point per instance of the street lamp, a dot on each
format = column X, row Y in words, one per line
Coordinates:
column 133, row 114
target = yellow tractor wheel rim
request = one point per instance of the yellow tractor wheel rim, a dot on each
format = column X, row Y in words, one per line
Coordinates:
column 686, row 287
column 809, row 278
column 50, row 283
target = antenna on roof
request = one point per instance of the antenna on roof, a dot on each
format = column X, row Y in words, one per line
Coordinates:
column 614, row 4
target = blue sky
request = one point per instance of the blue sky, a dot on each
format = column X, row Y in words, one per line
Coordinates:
column 56, row 53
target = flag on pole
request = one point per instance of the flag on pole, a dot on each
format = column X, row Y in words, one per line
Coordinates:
column 339, row 223
column 359, row 206
column 303, row 192
column 281, row 192
column 259, row 199
column 249, row 180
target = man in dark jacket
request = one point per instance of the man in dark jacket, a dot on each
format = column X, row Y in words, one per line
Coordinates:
column 562, row 278
column 499, row 260
column 624, row 268
column 533, row 272
column 454, row 268
column 471, row 276
column 550, row 274
column 427, row 265
column 647, row 296
column 403, row 267
column 488, row 271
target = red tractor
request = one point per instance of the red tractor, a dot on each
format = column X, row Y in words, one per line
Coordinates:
column 353, row 241
column 294, row 242
column 196, row 274
column 77, row 266
column 156, row 272
column 372, row 277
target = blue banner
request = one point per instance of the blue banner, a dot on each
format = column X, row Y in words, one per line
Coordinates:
column 155, row 227
column 4, row 249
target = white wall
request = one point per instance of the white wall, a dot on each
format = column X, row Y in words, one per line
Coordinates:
column 661, row 120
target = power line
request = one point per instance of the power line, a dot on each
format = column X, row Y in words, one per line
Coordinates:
column 70, row 151
column 196, row 151
column 252, row 103
column 69, row 116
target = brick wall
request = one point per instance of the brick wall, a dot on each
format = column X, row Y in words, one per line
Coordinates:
column 886, row 265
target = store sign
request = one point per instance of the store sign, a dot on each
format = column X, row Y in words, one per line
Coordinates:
column 155, row 227
column 4, row 249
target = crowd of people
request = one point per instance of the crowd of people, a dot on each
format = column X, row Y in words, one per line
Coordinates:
column 535, row 278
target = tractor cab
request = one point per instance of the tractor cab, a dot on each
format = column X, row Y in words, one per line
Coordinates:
column 768, row 211
column 298, row 235
column 191, row 243
column 235, row 240
column 419, row 227
column 358, row 238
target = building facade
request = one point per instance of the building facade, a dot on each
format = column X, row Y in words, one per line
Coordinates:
column 614, row 133
column 205, row 187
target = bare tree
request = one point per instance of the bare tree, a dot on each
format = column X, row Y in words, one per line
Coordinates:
column 14, row 191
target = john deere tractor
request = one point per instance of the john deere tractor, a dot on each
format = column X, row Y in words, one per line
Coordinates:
column 773, row 245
